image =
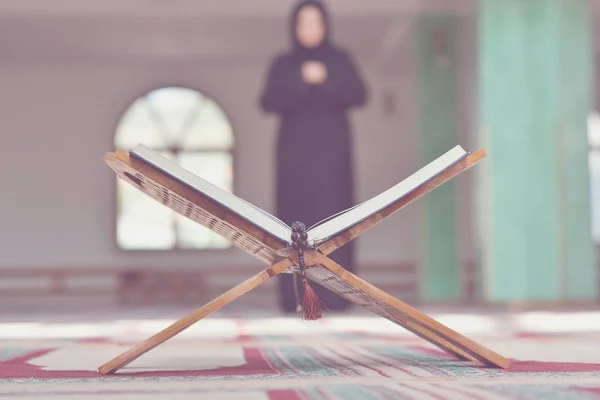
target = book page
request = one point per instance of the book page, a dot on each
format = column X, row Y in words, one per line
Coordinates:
column 324, row 277
column 242, row 208
column 190, row 210
column 345, row 220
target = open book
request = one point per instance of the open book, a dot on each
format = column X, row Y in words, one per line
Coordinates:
column 267, row 238
column 318, row 233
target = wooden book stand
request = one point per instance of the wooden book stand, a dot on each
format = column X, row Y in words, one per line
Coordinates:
column 321, row 269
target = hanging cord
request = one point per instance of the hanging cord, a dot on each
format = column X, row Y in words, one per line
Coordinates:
column 297, row 294
column 311, row 304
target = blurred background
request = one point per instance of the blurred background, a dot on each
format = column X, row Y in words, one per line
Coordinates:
column 79, row 78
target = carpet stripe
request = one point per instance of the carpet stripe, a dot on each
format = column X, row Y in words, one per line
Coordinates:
column 387, row 393
column 385, row 368
column 283, row 395
column 390, row 365
column 282, row 365
column 359, row 365
column 325, row 362
column 464, row 391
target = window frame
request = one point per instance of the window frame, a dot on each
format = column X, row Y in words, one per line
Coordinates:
column 114, row 191
column 592, row 148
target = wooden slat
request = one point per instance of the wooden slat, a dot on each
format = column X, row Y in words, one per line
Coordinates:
column 189, row 320
column 412, row 319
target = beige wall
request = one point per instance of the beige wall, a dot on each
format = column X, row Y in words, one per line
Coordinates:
column 58, row 119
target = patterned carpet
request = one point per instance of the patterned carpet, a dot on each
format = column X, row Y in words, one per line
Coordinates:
column 555, row 356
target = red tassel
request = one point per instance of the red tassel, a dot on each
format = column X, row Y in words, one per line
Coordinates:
column 311, row 304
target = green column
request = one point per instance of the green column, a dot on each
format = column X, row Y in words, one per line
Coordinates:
column 535, row 63
column 436, row 44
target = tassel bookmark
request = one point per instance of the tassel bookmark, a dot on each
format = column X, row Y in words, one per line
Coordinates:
column 311, row 304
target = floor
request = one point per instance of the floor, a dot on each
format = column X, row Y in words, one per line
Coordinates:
column 243, row 354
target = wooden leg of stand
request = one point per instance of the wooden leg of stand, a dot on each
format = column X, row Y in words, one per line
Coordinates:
column 409, row 317
column 187, row 321
column 431, row 337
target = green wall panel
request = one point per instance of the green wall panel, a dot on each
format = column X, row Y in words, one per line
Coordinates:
column 436, row 44
column 534, row 95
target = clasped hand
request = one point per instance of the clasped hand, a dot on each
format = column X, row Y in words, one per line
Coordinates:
column 314, row 72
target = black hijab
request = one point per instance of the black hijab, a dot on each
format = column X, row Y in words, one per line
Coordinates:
column 321, row 50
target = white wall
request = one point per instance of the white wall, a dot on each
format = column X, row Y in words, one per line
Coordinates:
column 58, row 118
column 57, row 209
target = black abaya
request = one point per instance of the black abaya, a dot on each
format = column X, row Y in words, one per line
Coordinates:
column 314, row 145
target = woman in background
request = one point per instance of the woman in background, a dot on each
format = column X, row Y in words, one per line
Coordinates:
column 311, row 88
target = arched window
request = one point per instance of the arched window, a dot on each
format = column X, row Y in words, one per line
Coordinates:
column 594, row 164
column 190, row 129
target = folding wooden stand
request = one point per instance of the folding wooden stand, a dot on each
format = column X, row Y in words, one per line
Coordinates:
column 321, row 270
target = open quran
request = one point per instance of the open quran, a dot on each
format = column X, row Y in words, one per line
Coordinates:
column 289, row 249
column 261, row 220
